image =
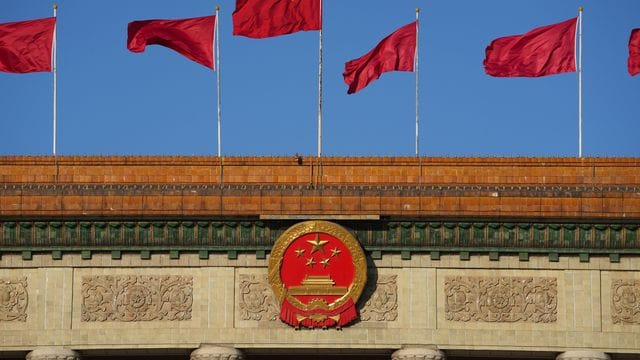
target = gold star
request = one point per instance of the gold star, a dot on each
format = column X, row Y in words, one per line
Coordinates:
column 317, row 244
column 325, row 262
column 335, row 252
column 299, row 252
column 311, row 262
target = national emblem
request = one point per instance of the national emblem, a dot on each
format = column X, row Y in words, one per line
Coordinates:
column 320, row 290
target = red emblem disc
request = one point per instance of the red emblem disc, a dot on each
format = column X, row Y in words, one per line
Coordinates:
column 317, row 270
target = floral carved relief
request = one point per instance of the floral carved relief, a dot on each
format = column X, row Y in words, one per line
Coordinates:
column 383, row 302
column 136, row 298
column 13, row 299
column 501, row 299
column 257, row 301
column 625, row 302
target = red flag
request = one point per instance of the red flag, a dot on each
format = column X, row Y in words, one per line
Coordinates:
column 633, row 64
column 191, row 37
column 542, row 51
column 25, row 46
column 266, row 18
column 396, row 52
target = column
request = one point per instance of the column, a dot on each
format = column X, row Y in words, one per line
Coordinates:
column 53, row 353
column 212, row 352
column 583, row 355
column 418, row 353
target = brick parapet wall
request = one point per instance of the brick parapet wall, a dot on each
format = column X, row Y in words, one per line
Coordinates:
column 394, row 186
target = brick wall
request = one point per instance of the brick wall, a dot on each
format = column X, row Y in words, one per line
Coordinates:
column 450, row 187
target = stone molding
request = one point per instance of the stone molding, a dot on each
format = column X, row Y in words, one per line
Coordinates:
column 417, row 353
column 207, row 352
column 383, row 302
column 14, row 299
column 136, row 298
column 257, row 301
column 52, row 353
column 501, row 299
column 583, row 355
column 625, row 301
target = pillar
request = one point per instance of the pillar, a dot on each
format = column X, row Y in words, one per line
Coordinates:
column 583, row 355
column 418, row 353
column 53, row 353
column 212, row 352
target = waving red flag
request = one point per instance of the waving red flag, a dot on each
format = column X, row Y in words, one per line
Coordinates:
column 633, row 64
column 25, row 46
column 266, row 18
column 546, row 50
column 192, row 37
column 396, row 52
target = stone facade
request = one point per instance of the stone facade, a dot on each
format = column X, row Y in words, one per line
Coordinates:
column 405, row 303
column 465, row 256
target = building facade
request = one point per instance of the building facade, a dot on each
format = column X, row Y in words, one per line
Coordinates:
column 466, row 258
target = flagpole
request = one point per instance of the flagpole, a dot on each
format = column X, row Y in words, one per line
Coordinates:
column 54, row 68
column 416, row 71
column 320, row 84
column 54, row 65
column 580, row 81
column 216, row 39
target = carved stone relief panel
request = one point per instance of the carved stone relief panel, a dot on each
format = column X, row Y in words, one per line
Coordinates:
column 383, row 302
column 136, row 298
column 257, row 301
column 13, row 299
column 501, row 299
column 625, row 302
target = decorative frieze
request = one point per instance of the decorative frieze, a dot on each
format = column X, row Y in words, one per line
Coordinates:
column 383, row 302
column 136, row 298
column 625, row 302
column 13, row 299
column 257, row 301
column 260, row 235
column 501, row 299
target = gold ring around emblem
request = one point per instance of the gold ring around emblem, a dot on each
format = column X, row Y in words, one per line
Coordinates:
column 316, row 226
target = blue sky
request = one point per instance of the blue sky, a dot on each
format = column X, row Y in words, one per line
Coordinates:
column 114, row 102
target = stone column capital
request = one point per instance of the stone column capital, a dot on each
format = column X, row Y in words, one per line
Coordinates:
column 213, row 352
column 583, row 355
column 417, row 353
column 52, row 353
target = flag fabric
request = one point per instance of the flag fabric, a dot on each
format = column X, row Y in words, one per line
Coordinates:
column 396, row 52
column 546, row 50
column 267, row 18
column 633, row 64
column 26, row 46
column 192, row 37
